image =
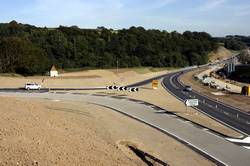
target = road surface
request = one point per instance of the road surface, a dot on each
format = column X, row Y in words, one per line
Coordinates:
column 226, row 114
column 206, row 143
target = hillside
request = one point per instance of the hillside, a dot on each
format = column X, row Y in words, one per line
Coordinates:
column 219, row 54
column 29, row 50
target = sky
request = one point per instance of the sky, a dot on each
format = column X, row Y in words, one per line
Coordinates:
column 217, row 17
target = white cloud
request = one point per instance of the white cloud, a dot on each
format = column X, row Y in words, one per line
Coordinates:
column 241, row 11
column 159, row 3
column 211, row 5
column 215, row 16
column 165, row 2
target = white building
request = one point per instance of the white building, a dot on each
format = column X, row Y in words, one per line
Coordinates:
column 53, row 72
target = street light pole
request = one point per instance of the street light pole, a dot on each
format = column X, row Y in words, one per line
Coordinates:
column 117, row 62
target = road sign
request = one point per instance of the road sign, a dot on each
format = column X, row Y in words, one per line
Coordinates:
column 192, row 102
column 122, row 88
column 155, row 84
column 112, row 87
column 133, row 89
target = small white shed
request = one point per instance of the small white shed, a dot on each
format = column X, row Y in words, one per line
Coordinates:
column 53, row 72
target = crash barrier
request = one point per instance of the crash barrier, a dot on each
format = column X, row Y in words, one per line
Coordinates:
column 122, row 88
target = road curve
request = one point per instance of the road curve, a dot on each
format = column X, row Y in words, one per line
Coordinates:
column 226, row 114
column 215, row 148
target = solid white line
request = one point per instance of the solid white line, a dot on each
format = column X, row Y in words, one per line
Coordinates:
column 170, row 133
column 245, row 140
column 203, row 151
column 174, row 135
column 55, row 100
column 171, row 81
column 162, row 83
column 205, row 96
column 247, row 147
column 199, row 110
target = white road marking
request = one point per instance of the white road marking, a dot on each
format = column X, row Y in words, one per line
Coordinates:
column 55, row 100
column 245, row 140
column 247, row 147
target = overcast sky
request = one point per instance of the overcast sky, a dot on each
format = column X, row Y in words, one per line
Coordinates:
column 217, row 17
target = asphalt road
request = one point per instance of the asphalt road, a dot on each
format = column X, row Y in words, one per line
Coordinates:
column 226, row 114
column 42, row 90
column 216, row 148
column 144, row 82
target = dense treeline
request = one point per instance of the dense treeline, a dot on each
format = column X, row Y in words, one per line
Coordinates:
column 244, row 39
column 30, row 50
column 235, row 42
column 244, row 57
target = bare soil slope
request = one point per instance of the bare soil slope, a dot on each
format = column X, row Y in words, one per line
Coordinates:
column 165, row 100
column 85, row 78
column 44, row 132
column 219, row 54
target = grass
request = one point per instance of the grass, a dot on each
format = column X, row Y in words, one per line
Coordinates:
column 139, row 70
column 145, row 70
column 10, row 75
column 68, row 70
column 235, row 52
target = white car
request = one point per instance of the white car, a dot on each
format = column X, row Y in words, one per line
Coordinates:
column 188, row 88
column 32, row 86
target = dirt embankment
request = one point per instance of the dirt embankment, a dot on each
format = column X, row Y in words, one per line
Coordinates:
column 219, row 54
column 62, row 133
column 45, row 132
column 85, row 78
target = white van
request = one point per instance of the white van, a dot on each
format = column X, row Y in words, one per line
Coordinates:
column 32, row 86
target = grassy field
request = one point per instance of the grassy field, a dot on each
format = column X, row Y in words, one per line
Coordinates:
column 145, row 70
column 139, row 70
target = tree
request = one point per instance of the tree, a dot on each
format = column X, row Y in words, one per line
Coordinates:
column 244, row 57
column 29, row 50
column 22, row 57
column 234, row 44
